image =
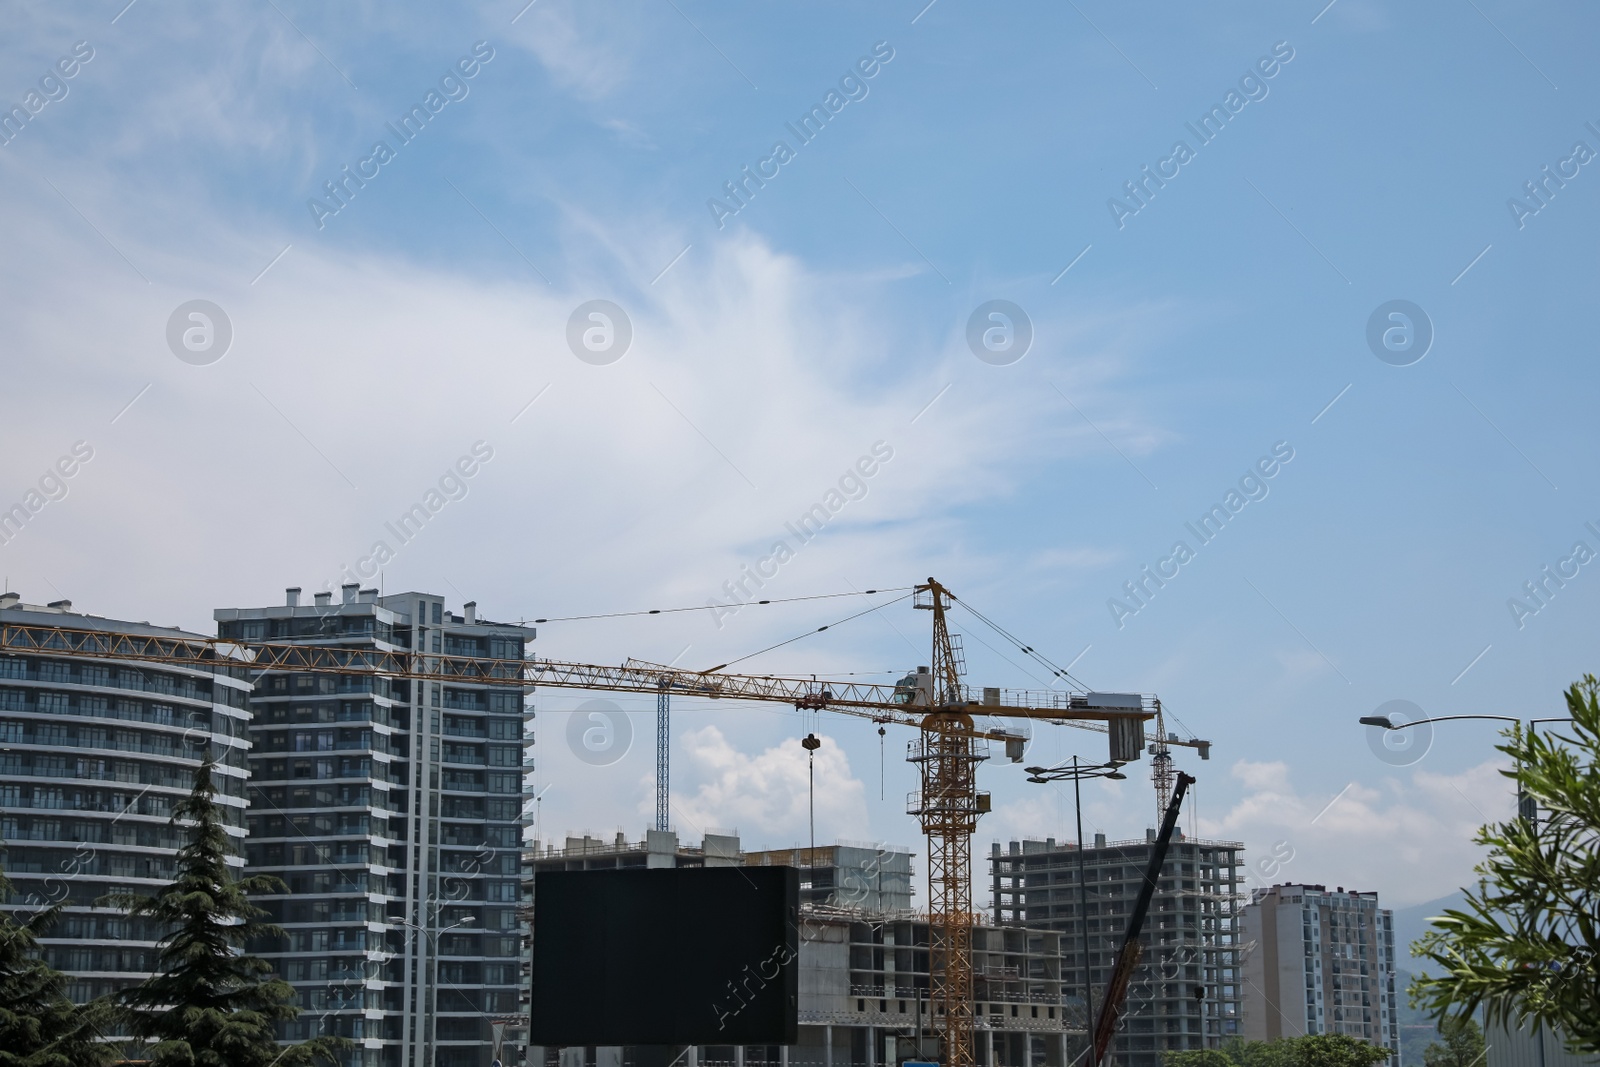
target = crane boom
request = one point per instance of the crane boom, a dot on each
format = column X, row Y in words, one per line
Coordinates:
column 880, row 702
column 1105, row 1026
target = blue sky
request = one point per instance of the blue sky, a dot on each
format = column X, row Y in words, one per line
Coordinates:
column 1225, row 317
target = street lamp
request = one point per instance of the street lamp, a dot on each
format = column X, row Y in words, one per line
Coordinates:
column 430, row 1001
column 1527, row 808
column 1389, row 724
column 1077, row 772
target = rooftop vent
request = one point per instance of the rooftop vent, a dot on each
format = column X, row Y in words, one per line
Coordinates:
column 348, row 590
column 471, row 609
column 291, row 596
column 368, row 596
column 10, row 600
column 322, row 599
column 60, row 605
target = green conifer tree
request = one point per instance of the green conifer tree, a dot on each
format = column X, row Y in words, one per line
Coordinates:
column 39, row 1026
column 210, row 1004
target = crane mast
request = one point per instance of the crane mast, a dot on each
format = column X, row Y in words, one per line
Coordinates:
column 663, row 756
column 947, row 756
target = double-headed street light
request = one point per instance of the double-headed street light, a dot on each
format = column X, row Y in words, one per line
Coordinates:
column 1077, row 772
column 431, row 974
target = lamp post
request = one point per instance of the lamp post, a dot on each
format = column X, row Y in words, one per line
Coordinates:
column 1527, row 807
column 431, row 990
column 1077, row 772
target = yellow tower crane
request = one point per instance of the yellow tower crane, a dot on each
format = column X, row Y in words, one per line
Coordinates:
column 947, row 750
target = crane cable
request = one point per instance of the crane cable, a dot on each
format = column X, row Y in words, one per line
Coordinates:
column 1050, row 666
column 1025, row 649
column 808, row 633
column 713, row 607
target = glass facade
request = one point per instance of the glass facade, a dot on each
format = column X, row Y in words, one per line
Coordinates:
column 94, row 754
column 392, row 809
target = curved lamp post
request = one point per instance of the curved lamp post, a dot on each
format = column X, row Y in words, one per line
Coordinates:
column 430, row 1002
column 1527, row 807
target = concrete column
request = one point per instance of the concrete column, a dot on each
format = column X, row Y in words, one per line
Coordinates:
column 738, row 1056
column 872, row 1047
column 988, row 1048
column 783, row 1056
column 692, row 1057
column 1061, row 1048
column 827, row 1046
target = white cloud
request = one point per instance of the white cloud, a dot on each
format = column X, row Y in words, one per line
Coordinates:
column 765, row 795
column 590, row 60
column 1409, row 838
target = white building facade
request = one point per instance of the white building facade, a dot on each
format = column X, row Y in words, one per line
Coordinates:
column 1319, row 962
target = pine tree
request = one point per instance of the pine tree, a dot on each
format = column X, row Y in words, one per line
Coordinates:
column 39, row 1026
column 210, row 1004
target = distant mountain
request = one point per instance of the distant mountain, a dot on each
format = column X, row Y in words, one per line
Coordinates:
column 1417, row 1030
column 1411, row 923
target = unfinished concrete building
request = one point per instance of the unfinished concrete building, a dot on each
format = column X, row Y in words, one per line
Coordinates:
column 874, row 878
column 864, row 975
column 864, row 995
column 1186, row 993
column 658, row 848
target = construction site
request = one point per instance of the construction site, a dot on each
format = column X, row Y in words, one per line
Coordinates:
column 688, row 534
column 416, row 931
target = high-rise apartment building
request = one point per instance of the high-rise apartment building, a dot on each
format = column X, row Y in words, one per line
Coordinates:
column 1186, row 992
column 94, row 754
column 1319, row 962
column 392, row 808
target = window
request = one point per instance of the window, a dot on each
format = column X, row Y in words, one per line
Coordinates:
column 505, row 810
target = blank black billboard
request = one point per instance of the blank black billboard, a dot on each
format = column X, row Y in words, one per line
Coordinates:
column 673, row 956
